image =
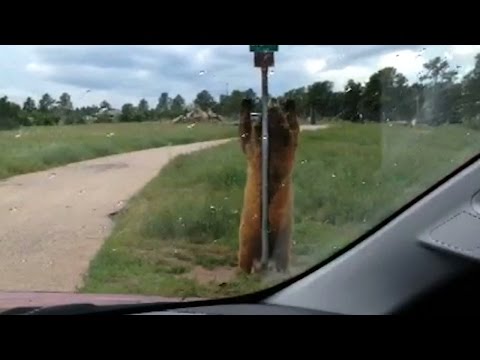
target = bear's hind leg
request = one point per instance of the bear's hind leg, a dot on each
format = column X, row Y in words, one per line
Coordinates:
column 250, row 251
column 281, row 223
column 281, row 239
column 281, row 251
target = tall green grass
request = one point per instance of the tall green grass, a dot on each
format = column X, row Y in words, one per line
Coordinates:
column 38, row 148
column 347, row 179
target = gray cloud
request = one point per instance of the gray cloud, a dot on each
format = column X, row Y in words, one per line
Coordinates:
column 135, row 71
column 96, row 56
column 363, row 54
column 79, row 66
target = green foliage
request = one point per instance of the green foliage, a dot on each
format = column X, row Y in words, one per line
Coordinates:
column 129, row 114
column 42, row 147
column 204, row 100
column 46, row 103
column 472, row 121
column 9, row 114
column 229, row 105
column 29, row 105
column 178, row 106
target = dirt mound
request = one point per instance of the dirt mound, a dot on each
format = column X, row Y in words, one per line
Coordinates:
column 198, row 115
column 219, row 275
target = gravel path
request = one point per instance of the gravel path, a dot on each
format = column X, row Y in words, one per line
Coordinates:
column 53, row 222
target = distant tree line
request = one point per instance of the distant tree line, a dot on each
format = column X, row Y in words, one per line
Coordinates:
column 438, row 97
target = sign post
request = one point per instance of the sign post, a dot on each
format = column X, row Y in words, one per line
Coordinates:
column 263, row 58
column 263, row 48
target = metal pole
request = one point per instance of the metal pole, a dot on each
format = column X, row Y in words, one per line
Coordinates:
column 265, row 255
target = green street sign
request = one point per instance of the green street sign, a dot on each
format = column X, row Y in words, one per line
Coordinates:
column 263, row 48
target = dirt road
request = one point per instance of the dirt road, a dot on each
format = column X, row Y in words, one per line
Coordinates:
column 53, row 222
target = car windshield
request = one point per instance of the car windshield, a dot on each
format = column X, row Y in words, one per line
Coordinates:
column 188, row 171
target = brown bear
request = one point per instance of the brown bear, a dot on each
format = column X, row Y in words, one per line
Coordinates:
column 283, row 138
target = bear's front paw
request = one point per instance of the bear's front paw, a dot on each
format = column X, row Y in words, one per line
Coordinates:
column 256, row 267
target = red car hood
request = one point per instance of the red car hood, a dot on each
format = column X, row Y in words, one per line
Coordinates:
column 9, row 300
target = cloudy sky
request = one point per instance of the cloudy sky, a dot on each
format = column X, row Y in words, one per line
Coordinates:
column 124, row 73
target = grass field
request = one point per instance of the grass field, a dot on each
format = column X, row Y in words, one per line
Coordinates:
column 39, row 148
column 183, row 226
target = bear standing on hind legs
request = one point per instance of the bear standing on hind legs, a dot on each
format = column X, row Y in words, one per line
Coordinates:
column 283, row 138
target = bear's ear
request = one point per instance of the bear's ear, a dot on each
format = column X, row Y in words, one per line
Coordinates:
column 246, row 106
column 289, row 106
